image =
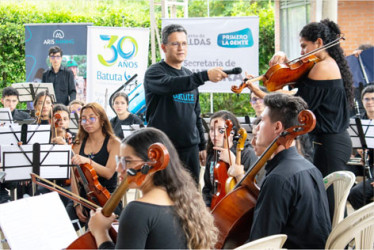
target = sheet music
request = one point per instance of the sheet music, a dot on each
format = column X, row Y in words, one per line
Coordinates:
column 6, row 116
column 367, row 127
column 24, row 90
column 74, row 123
column 17, row 166
column 35, row 134
column 39, row 222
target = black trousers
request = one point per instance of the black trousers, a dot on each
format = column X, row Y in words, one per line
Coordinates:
column 358, row 196
column 331, row 153
column 190, row 159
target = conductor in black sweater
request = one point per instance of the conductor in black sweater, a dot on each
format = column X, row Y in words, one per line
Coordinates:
column 172, row 98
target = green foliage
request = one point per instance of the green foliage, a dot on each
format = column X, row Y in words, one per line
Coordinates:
column 129, row 13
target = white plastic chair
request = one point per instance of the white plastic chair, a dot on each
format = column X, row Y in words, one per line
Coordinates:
column 342, row 182
column 358, row 226
column 270, row 242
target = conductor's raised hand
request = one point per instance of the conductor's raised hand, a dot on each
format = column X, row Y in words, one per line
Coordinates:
column 216, row 74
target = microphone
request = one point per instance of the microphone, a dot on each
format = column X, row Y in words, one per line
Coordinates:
column 234, row 71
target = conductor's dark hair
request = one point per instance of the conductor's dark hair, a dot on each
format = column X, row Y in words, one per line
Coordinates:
column 169, row 29
column 329, row 31
column 367, row 89
column 284, row 108
column 10, row 91
column 55, row 49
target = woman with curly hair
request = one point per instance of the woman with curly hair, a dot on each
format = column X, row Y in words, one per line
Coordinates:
column 327, row 89
column 170, row 214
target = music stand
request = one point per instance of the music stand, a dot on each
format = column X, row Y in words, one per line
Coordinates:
column 27, row 134
column 6, row 116
column 362, row 136
column 48, row 161
column 28, row 90
column 129, row 129
column 74, row 123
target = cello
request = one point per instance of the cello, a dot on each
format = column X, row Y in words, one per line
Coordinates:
column 281, row 74
column 159, row 159
column 233, row 215
column 220, row 169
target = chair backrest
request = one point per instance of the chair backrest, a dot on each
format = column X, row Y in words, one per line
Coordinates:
column 270, row 242
column 342, row 182
column 359, row 226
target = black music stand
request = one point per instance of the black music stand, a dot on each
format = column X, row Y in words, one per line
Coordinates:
column 74, row 123
column 362, row 136
column 5, row 116
column 28, row 90
column 48, row 161
column 27, row 134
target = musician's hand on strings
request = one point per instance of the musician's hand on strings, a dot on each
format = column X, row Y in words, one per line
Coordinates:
column 236, row 171
column 224, row 155
column 78, row 160
column 99, row 225
column 278, row 58
column 80, row 213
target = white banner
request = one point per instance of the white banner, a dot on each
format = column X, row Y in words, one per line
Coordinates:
column 226, row 42
column 114, row 55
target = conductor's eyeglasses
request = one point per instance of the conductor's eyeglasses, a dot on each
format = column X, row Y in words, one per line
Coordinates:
column 367, row 99
column 55, row 57
column 89, row 120
column 176, row 44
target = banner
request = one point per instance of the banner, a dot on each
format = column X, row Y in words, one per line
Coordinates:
column 71, row 38
column 114, row 55
column 226, row 42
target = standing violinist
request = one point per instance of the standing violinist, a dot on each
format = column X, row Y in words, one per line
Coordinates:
column 327, row 89
column 292, row 198
column 215, row 148
column 97, row 146
column 171, row 214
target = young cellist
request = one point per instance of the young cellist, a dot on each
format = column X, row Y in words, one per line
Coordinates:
column 171, row 214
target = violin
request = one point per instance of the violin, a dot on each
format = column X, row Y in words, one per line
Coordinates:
column 233, row 215
column 159, row 159
column 220, row 169
column 279, row 75
column 231, row 181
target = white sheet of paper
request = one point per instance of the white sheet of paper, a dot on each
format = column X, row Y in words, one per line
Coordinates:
column 129, row 129
column 38, row 222
column 367, row 127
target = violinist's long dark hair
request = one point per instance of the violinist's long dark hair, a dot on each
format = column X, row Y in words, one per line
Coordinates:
column 329, row 31
column 224, row 114
column 197, row 222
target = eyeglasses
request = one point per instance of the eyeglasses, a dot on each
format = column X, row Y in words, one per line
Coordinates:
column 55, row 57
column 89, row 120
column 123, row 162
column 367, row 99
column 255, row 99
column 176, row 44
column 76, row 111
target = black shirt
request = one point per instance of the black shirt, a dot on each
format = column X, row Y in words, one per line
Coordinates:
column 292, row 201
column 63, row 84
column 117, row 124
column 247, row 159
column 143, row 225
column 328, row 101
column 172, row 100
column 20, row 115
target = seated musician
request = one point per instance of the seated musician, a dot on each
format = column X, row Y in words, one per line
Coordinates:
column 96, row 145
column 123, row 116
column 43, row 105
column 358, row 197
column 10, row 99
column 170, row 215
column 257, row 102
column 215, row 143
column 75, row 106
column 292, row 198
